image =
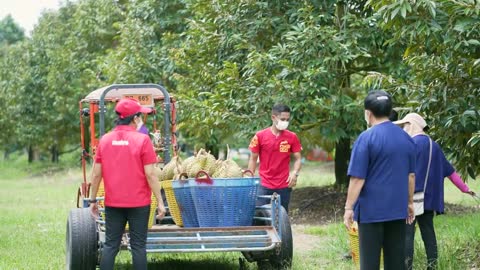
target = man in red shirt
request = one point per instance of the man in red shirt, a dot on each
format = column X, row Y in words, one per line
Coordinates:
column 125, row 160
column 273, row 146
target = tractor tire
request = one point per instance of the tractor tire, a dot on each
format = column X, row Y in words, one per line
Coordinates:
column 82, row 240
column 275, row 259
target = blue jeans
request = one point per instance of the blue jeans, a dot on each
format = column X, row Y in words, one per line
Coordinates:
column 283, row 192
column 116, row 219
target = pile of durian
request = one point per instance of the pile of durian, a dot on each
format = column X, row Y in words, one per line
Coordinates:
column 202, row 161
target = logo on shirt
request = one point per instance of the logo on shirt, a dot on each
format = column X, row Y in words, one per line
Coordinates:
column 285, row 147
column 119, row 143
column 254, row 142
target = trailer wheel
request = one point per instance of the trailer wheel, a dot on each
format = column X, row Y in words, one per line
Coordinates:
column 280, row 258
column 82, row 240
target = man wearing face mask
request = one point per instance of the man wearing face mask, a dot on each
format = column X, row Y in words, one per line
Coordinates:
column 274, row 146
column 382, row 181
column 141, row 126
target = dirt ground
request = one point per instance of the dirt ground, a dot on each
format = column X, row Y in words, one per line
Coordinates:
column 321, row 205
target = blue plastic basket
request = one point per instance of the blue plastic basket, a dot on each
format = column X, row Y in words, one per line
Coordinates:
column 225, row 202
column 186, row 205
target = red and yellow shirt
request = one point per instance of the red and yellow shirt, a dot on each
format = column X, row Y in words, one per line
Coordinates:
column 274, row 153
column 123, row 154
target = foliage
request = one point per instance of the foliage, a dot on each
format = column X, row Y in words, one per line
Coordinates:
column 10, row 32
column 228, row 62
column 442, row 40
column 238, row 59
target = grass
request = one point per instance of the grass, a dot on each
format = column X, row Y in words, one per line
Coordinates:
column 457, row 235
column 34, row 210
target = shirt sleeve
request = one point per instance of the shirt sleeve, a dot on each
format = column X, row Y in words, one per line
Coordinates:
column 447, row 166
column 296, row 146
column 98, row 154
column 255, row 144
column 148, row 152
column 360, row 158
column 412, row 159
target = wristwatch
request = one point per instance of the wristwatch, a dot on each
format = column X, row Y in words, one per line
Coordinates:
column 90, row 201
column 297, row 174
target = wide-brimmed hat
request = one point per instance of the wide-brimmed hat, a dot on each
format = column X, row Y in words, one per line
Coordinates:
column 412, row 118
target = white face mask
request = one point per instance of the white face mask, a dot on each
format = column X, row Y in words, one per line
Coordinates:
column 139, row 122
column 281, row 125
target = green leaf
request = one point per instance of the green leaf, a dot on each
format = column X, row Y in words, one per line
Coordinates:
column 473, row 42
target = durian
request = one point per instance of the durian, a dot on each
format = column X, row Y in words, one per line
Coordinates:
column 202, row 161
column 173, row 168
column 228, row 168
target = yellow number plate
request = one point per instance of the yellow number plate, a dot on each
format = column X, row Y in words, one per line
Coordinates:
column 144, row 100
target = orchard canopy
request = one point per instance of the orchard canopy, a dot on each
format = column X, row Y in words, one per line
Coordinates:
column 228, row 62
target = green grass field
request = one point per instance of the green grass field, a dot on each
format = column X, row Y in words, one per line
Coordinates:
column 34, row 204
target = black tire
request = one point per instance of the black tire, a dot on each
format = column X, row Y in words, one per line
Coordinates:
column 278, row 258
column 82, row 240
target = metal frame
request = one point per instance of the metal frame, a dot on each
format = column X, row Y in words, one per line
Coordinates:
column 171, row 238
column 167, row 110
column 98, row 105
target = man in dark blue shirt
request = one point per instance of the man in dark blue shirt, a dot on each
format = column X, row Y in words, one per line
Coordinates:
column 382, row 181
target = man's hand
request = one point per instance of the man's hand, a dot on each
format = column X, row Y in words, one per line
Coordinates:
column 411, row 213
column 161, row 210
column 348, row 219
column 292, row 180
column 94, row 210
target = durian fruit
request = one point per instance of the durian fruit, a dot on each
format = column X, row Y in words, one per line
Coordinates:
column 228, row 168
column 218, row 164
column 173, row 168
column 159, row 173
column 188, row 162
column 202, row 161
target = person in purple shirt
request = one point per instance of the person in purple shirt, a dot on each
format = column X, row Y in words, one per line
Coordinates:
column 382, row 180
column 440, row 168
column 141, row 126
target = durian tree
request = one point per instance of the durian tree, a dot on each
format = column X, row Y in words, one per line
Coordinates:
column 238, row 59
column 441, row 42
column 11, row 51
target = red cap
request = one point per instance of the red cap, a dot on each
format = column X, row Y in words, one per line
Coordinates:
column 128, row 106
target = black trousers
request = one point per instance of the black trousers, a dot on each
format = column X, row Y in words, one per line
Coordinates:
column 116, row 219
column 283, row 192
column 390, row 236
column 425, row 222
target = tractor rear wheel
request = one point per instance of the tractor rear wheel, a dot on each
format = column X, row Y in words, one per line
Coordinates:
column 82, row 240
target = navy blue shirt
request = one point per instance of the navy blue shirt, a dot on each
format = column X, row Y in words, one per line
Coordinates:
column 439, row 169
column 383, row 156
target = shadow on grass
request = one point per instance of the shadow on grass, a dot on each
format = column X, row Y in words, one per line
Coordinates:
column 228, row 263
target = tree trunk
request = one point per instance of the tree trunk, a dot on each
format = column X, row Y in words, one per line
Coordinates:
column 55, row 154
column 30, row 154
column 342, row 156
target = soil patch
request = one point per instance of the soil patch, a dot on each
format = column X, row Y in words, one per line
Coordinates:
column 316, row 205
column 322, row 205
column 303, row 242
